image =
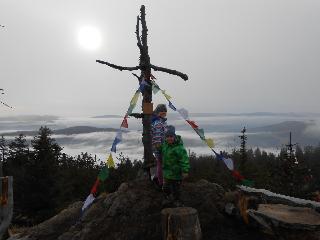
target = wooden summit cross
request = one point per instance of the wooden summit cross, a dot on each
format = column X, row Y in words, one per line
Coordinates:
column 145, row 66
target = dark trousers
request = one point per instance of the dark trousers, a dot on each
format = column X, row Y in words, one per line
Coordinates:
column 171, row 189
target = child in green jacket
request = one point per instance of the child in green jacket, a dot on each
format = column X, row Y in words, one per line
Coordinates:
column 175, row 165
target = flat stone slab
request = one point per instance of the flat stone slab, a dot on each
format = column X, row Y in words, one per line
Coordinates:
column 290, row 215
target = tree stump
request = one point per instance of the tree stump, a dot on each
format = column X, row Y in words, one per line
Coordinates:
column 180, row 224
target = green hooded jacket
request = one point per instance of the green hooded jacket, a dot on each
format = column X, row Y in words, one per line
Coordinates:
column 175, row 160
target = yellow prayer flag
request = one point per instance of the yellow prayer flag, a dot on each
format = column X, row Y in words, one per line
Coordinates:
column 210, row 142
column 134, row 99
column 166, row 95
column 110, row 162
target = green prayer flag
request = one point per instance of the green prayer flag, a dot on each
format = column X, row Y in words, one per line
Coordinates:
column 248, row 183
column 104, row 174
column 200, row 132
column 155, row 89
column 130, row 109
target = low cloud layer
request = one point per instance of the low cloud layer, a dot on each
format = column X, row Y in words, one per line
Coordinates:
column 225, row 131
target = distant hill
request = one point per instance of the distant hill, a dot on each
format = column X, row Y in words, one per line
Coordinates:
column 286, row 126
column 82, row 129
column 65, row 131
column 254, row 114
column 276, row 135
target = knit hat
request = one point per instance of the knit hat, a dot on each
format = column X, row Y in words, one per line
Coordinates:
column 171, row 131
column 160, row 108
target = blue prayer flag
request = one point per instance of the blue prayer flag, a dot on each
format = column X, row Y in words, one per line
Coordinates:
column 172, row 107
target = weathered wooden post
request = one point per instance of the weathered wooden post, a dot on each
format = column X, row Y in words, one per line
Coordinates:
column 6, row 204
column 180, row 224
column 145, row 66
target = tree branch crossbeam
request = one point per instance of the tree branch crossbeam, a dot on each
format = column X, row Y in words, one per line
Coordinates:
column 170, row 71
column 121, row 68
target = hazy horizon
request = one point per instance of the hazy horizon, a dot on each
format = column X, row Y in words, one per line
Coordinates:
column 54, row 116
column 224, row 129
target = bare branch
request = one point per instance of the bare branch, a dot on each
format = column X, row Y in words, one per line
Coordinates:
column 137, row 33
column 5, row 104
column 170, row 71
column 119, row 67
column 144, row 27
column 136, row 76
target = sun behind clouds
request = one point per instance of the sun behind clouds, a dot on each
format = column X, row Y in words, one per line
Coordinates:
column 89, row 37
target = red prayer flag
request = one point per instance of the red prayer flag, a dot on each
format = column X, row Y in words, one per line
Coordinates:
column 237, row 175
column 124, row 123
column 95, row 187
column 192, row 124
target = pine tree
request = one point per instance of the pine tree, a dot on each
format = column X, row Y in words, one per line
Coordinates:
column 75, row 177
column 3, row 149
column 243, row 151
column 16, row 162
column 42, row 175
column 292, row 171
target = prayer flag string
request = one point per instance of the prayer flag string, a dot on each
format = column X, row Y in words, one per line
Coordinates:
column 104, row 172
column 209, row 141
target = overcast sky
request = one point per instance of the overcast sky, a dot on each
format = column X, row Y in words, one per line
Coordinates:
column 240, row 55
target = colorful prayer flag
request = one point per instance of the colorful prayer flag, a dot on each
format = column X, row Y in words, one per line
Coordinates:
column 95, row 186
column 104, row 174
column 192, row 124
column 210, row 142
column 247, row 182
column 124, row 123
column 200, row 132
column 184, row 113
column 166, row 95
column 114, row 144
column 237, row 175
column 110, row 162
column 89, row 200
column 229, row 163
column 135, row 97
column 143, row 84
column 119, row 135
column 130, row 109
column 172, row 107
column 155, row 89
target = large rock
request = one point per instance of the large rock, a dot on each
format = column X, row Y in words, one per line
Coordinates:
column 288, row 222
column 134, row 212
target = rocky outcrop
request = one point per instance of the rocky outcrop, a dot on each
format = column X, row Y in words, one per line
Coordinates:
column 134, row 212
column 288, row 222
